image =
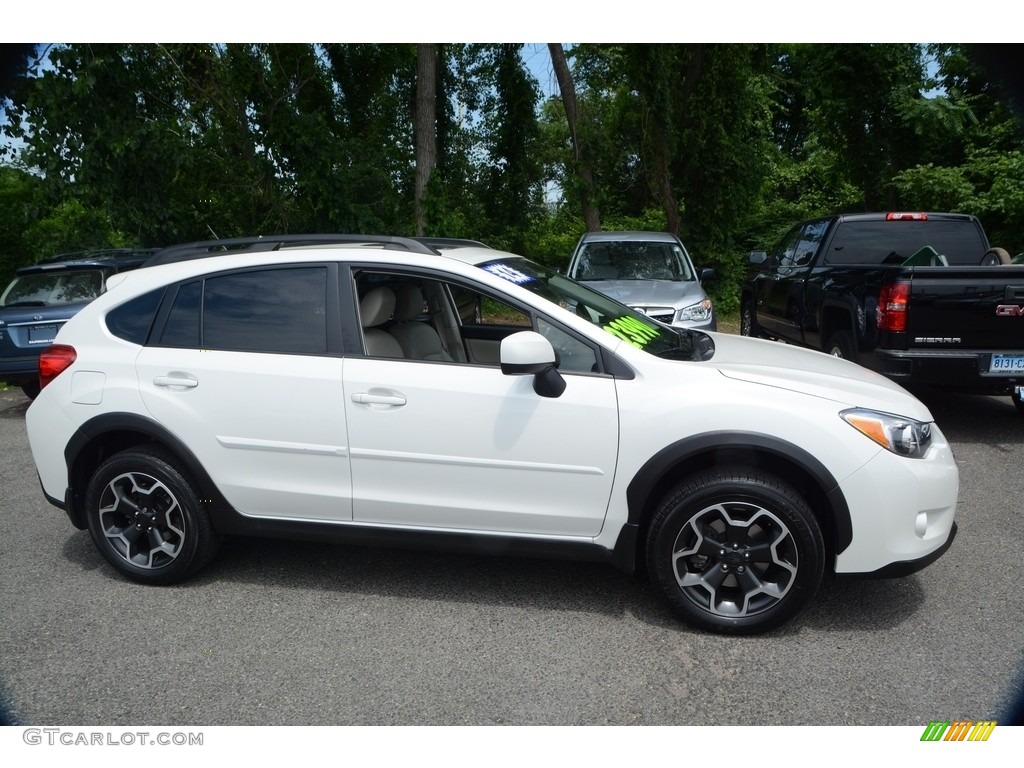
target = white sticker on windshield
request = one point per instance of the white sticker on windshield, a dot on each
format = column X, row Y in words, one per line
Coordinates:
column 508, row 273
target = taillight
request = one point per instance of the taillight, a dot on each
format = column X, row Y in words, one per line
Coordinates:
column 54, row 360
column 891, row 313
column 906, row 217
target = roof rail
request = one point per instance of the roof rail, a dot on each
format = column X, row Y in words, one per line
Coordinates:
column 99, row 253
column 450, row 242
column 205, row 248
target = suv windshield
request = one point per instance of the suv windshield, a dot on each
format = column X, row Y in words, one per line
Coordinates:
column 615, row 318
column 47, row 289
column 632, row 260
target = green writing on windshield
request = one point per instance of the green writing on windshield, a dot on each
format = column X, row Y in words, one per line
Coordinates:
column 630, row 329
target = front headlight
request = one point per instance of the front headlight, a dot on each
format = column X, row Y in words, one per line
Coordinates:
column 902, row 436
column 695, row 312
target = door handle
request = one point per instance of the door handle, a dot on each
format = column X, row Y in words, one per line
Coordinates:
column 176, row 381
column 377, row 399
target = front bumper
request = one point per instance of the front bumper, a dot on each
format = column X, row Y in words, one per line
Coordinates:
column 901, row 511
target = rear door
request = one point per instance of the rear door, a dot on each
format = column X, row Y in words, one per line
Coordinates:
column 241, row 369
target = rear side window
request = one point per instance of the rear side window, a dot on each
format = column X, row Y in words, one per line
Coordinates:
column 273, row 310
column 132, row 320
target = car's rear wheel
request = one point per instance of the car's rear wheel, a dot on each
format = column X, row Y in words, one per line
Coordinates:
column 146, row 519
column 735, row 551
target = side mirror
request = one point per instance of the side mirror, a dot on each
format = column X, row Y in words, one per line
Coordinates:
column 527, row 353
column 757, row 257
column 707, row 274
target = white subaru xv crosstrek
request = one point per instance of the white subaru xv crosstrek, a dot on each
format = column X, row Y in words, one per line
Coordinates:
column 380, row 390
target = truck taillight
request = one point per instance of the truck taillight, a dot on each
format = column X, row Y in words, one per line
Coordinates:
column 891, row 313
column 906, row 217
column 53, row 361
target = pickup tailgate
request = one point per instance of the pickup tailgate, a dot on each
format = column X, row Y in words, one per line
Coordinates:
column 978, row 309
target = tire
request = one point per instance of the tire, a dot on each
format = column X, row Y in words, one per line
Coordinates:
column 735, row 551
column 145, row 517
column 31, row 389
column 995, row 257
column 1016, row 398
column 748, row 325
column 841, row 344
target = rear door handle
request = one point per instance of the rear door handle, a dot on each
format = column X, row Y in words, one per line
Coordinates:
column 184, row 381
column 374, row 399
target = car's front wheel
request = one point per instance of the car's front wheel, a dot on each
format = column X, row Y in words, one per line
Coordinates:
column 1018, row 402
column 146, row 519
column 735, row 551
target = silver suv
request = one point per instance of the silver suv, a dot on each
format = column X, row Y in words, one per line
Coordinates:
column 648, row 271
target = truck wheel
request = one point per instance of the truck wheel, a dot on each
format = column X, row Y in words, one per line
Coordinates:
column 995, row 257
column 735, row 550
column 841, row 345
column 747, row 324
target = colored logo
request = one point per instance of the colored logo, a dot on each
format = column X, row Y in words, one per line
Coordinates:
column 958, row 730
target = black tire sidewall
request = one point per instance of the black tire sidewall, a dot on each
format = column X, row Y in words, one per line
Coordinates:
column 843, row 341
column 691, row 498
column 198, row 535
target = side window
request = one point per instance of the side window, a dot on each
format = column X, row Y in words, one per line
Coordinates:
column 810, row 240
column 481, row 310
column 783, row 253
column 274, row 310
column 182, row 327
column 279, row 310
column 571, row 355
column 132, row 320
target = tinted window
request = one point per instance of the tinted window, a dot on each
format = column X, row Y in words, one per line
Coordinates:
column 893, row 242
column 182, row 329
column 132, row 320
column 278, row 310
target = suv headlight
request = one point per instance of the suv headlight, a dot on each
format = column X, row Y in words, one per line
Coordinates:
column 695, row 312
column 902, row 436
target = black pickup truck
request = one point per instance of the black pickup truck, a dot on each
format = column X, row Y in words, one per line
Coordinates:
column 919, row 297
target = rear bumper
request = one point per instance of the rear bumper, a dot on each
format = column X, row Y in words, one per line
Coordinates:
column 18, row 370
column 964, row 370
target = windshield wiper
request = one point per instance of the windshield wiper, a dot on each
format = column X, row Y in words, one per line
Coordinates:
column 26, row 304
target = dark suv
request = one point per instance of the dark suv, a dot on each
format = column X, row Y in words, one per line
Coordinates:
column 44, row 296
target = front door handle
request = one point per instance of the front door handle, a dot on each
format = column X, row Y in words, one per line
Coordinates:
column 370, row 398
column 180, row 380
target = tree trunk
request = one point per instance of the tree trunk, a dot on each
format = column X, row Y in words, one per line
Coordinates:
column 591, row 214
column 425, row 128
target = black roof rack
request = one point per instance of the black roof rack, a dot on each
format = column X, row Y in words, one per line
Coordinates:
column 450, row 242
column 205, row 248
column 117, row 258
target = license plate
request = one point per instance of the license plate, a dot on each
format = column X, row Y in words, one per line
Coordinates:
column 41, row 334
column 1006, row 364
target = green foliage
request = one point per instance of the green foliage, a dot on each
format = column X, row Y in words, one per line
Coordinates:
column 727, row 145
column 20, row 197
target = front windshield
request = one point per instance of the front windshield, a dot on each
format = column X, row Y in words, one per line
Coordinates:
column 632, row 260
column 617, row 319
